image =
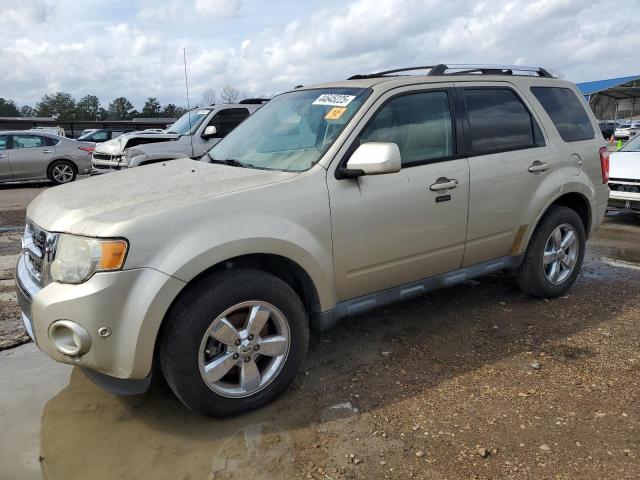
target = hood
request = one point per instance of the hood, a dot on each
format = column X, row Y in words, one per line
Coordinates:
column 117, row 145
column 625, row 165
column 90, row 206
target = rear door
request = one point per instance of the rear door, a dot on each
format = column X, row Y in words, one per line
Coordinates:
column 30, row 155
column 513, row 169
column 5, row 167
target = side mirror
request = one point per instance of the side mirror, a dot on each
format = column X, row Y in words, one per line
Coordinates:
column 373, row 158
column 210, row 131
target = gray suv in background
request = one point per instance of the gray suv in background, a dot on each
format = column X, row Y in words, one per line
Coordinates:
column 329, row 201
column 30, row 155
column 191, row 136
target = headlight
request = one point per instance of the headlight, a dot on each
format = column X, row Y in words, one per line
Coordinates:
column 78, row 258
column 131, row 153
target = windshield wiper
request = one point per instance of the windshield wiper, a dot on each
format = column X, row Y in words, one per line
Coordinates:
column 229, row 161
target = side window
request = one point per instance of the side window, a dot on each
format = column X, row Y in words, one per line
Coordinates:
column 566, row 111
column 50, row 141
column 498, row 121
column 27, row 141
column 3, row 142
column 228, row 119
column 99, row 136
column 419, row 123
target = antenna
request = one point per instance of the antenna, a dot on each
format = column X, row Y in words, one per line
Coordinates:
column 186, row 84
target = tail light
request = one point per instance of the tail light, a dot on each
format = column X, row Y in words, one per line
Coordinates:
column 89, row 150
column 604, row 163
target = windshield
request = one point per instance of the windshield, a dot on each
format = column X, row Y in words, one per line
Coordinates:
column 189, row 122
column 292, row 131
column 632, row 145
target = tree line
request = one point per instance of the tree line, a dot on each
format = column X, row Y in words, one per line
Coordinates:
column 63, row 107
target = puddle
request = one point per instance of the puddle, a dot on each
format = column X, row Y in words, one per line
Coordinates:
column 56, row 424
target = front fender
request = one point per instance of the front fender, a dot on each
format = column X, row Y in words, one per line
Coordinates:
column 223, row 238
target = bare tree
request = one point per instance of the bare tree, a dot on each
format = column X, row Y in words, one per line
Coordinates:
column 209, row 97
column 229, row 94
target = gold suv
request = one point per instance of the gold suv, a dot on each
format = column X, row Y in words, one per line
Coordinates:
column 329, row 201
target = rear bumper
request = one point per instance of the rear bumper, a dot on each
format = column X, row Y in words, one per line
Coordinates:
column 601, row 202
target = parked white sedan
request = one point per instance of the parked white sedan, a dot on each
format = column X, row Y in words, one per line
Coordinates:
column 624, row 177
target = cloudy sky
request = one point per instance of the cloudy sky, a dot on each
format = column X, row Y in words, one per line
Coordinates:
column 131, row 48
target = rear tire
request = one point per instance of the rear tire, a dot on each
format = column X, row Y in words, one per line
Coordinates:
column 62, row 171
column 213, row 348
column 554, row 255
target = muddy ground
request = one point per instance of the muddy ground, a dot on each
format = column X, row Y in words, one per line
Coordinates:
column 476, row 381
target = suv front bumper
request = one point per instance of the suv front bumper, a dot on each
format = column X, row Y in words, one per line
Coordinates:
column 130, row 304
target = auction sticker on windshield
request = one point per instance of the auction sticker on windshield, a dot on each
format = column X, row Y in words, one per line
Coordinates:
column 334, row 99
column 335, row 113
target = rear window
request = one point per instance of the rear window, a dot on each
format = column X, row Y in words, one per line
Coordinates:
column 566, row 111
column 499, row 122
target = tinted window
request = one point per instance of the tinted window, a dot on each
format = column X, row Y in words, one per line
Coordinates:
column 27, row 141
column 226, row 120
column 99, row 136
column 3, row 142
column 420, row 124
column 50, row 141
column 566, row 111
column 498, row 121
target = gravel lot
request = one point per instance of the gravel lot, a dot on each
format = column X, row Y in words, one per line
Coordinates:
column 476, row 381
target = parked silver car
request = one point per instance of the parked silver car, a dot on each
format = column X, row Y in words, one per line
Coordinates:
column 29, row 155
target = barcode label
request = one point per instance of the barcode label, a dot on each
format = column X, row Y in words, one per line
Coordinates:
column 334, row 99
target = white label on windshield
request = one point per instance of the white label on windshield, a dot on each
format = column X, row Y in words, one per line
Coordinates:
column 334, row 99
column 202, row 112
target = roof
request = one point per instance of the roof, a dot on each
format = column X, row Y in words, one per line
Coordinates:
column 613, row 87
column 27, row 119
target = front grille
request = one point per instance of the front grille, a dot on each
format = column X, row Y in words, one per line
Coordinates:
column 101, row 156
column 37, row 249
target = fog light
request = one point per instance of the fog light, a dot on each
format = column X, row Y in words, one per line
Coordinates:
column 70, row 338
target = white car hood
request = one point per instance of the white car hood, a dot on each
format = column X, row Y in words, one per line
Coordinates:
column 116, row 145
column 92, row 206
column 625, row 165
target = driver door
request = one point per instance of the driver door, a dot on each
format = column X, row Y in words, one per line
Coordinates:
column 397, row 228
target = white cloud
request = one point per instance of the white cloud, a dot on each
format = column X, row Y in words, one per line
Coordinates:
column 138, row 52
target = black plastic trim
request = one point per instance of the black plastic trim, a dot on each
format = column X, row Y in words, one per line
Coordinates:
column 365, row 303
column 118, row 386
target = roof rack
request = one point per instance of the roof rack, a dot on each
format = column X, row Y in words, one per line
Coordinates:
column 254, row 100
column 461, row 69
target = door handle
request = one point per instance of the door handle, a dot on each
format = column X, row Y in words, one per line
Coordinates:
column 444, row 183
column 46, row 151
column 2, row 156
column 538, row 167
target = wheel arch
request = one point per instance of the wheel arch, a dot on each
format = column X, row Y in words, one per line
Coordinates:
column 279, row 266
column 574, row 200
column 63, row 159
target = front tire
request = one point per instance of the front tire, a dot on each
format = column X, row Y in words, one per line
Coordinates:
column 554, row 255
column 233, row 342
column 61, row 172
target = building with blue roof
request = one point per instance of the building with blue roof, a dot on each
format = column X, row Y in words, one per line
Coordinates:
column 613, row 98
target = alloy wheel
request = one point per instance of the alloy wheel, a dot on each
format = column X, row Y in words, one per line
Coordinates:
column 560, row 253
column 244, row 349
column 62, row 173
